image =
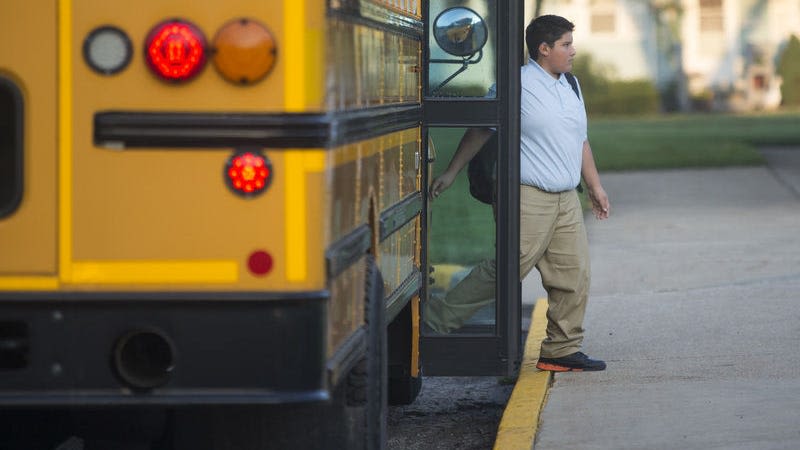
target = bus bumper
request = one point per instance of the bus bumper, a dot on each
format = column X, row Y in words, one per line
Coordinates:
column 163, row 349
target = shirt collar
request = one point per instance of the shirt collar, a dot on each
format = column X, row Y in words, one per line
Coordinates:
column 545, row 76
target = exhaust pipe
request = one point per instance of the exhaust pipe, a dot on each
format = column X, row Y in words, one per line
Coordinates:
column 144, row 359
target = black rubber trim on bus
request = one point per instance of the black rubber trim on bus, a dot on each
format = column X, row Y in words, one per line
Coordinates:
column 378, row 16
column 160, row 296
column 121, row 130
column 346, row 357
column 398, row 299
column 400, row 214
column 347, row 251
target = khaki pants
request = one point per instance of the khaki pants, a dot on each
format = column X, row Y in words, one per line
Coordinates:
column 553, row 239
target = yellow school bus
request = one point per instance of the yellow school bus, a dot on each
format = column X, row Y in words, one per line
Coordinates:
column 206, row 204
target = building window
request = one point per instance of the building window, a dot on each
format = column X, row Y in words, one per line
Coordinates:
column 10, row 147
column 760, row 82
column 711, row 19
column 604, row 16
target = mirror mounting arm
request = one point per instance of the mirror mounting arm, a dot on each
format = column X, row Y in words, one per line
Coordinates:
column 464, row 61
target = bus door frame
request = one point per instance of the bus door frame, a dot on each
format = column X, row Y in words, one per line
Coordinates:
column 498, row 354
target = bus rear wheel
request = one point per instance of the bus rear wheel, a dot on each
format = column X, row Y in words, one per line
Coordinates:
column 367, row 383
column 403, row 387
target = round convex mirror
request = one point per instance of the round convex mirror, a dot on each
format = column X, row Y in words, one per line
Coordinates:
column 460, row 31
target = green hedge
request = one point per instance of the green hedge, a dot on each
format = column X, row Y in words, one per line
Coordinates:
column 624, row 98
column 607, row 96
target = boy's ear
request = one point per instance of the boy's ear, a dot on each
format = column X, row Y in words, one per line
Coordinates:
column 544, row 49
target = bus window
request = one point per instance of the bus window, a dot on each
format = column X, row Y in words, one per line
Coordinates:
column 10, row 147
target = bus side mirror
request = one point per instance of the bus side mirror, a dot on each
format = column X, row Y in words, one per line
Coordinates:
column 460, row 31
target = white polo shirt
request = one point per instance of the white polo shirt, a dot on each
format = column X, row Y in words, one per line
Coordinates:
column 552, row 130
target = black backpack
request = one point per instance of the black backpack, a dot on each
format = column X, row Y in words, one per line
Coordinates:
column 481, row 166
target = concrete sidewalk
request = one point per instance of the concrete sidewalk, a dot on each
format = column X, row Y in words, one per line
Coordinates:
column 695, row 305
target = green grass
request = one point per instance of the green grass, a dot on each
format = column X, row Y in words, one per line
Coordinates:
column 683, row 141
column 463, row 229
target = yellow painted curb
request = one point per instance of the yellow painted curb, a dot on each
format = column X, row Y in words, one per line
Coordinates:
column 520, row 420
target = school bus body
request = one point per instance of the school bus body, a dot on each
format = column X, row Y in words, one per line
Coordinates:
column 126, row 229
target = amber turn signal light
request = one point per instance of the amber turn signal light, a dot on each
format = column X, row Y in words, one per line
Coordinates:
column 244, row 51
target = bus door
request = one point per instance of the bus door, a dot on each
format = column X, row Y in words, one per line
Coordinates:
column 471, row 325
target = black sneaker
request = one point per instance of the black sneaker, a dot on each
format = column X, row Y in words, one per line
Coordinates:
column 576, row 362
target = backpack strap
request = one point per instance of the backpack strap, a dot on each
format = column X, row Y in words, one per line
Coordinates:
column 573, row 83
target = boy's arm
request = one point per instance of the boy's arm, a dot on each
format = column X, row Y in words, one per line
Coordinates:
column 470, row 144
column 597, row 195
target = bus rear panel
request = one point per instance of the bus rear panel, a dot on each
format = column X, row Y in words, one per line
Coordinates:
column 176, row 231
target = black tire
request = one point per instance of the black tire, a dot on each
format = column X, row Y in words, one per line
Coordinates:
column 354, row 418
column 367, row 382
column 403, row 388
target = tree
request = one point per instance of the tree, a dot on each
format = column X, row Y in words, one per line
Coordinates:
column 538, row 9
column 668, row 16
column 789, row 70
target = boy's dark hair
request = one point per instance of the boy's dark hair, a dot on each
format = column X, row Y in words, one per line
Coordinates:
column 546, row 29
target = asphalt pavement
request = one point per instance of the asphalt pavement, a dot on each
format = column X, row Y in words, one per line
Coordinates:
column 695, row 306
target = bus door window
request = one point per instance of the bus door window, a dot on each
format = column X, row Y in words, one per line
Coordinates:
column 461, row 239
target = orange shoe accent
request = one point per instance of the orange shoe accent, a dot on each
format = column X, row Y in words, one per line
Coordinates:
column 556, row 368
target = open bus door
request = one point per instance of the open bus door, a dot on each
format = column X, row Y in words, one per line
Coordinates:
column 473, row 45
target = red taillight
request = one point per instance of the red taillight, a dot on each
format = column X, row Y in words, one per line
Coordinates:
column 259, row 263
column 248, row 173
column 175, row 50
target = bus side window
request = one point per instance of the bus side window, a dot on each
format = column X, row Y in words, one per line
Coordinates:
column 10, row 147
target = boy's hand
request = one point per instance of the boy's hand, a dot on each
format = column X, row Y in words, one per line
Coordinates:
column 600, row 204
column 440, row 184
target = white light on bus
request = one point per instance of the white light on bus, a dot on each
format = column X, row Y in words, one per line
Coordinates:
column 175, row 50
column 107, row 50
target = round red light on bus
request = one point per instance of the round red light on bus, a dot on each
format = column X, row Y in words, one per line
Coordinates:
column 175, row 50
column 248, row 173
column 259, row 263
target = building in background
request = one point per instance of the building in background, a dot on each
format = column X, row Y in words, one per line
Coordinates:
column 708, row 54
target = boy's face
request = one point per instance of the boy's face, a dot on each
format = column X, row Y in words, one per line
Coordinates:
column 558, row 58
